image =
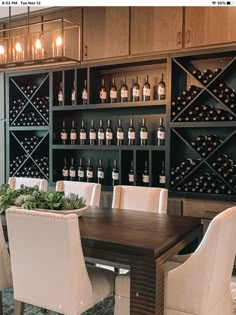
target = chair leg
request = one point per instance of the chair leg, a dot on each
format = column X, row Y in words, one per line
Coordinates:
column 18, row 307
column 1, row 306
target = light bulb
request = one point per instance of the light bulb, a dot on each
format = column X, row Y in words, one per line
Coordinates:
column 2, row 50
column 59, row 41
column 38, row 44
column 18, row 47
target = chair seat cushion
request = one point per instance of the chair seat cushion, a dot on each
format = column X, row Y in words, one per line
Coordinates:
column 102, row 281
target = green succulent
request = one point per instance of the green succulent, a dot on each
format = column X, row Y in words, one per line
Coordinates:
column 73, row 201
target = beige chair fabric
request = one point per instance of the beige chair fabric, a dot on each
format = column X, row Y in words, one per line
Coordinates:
column 140, row 198
column 90, row 191
column 48, row 265
column 201, row 285
column 16, row 182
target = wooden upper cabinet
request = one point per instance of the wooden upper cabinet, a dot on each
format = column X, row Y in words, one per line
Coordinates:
column 155, row 29
column 105, row 32
column 209, row 25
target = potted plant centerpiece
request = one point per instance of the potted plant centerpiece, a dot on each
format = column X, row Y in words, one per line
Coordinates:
column 31, row 198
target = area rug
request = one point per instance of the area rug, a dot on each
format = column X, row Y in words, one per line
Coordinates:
column 103, row 308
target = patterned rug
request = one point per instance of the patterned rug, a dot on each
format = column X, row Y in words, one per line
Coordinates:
column 102, row 308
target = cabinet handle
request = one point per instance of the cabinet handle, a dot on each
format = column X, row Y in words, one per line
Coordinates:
column 86, row 51
column 188, row 36
column 179, row 38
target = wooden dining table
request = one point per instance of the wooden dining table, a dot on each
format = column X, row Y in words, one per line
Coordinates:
column 142, row 240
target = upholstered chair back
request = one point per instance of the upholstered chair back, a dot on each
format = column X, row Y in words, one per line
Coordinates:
column 202, row 284
column 140, row 198
column 90, row 191
column 16, row 182
column 48, row 266
column 5, row 265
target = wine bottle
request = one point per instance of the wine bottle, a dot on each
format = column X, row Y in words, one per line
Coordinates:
column 60, row 95
column 115, row 174
column 81, row 171
column 131, row 173
column 100, row 172
column 73, row 94
column 89, row 172
column 161, row 87
column 136, row 91
column 131, row 133
column 109, row 133
column 92, row 134
column 82, row 134
column 73, row 134
column 85, row 93
column 161, row 133
column 103, row 93
column 113, row 92
column 120, row 134
column 65, row 171
column 72, row 172
column 124, row 93
column 101, row 134
column 143, row 133
column 145, row 175
column 63, row 133
column 146, row 90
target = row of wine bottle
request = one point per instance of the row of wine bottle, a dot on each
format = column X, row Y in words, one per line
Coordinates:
column 86, row 173
column 207, row 183
column 204, row 144
column 206, row 75
column 182, row 169
column 103, row 136
column 30, row 119
column 30, row 169
column 29, row 143
column 226, row 167
column 114, row 95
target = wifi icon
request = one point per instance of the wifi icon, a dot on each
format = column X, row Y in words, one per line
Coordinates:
column 214, row 2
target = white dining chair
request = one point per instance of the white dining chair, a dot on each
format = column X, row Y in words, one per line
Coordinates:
column 90, row 191
column 140, row 198
column 5, row 266
column 201, row 285
column 16, row 182
column 48, row 265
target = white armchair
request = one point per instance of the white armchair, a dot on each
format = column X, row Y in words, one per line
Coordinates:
column 90, row 191
column 16, row 182
column 140, row 198
column 48, row 265
column 201, row 285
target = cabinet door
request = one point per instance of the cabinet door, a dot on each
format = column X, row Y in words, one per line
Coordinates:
column 106, row 32
column 207, row 26
column 155, row 29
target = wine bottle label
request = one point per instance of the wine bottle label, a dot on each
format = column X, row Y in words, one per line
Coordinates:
column 146, row 92
column 131, row 135
column 101, row 135
column 89, row 174
column 145, row 178
column 161, row 90
column 80, row 174
column 161, row 135
column 82, row 135
column 92, row 135
column 63, row 136
column 120, row 135
column 135, row 92
column 73, row 96
column 100, row 174
column 65, row 173
column 124, row 93
column 60, row 97
column 103, row 95
column 72, row 173
column 84, row 95
column 143, row 135
column 113, row 94
column 73, row 135
column 115, row 176
column 131, row 178
column 162, row 179
column 109, row 135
